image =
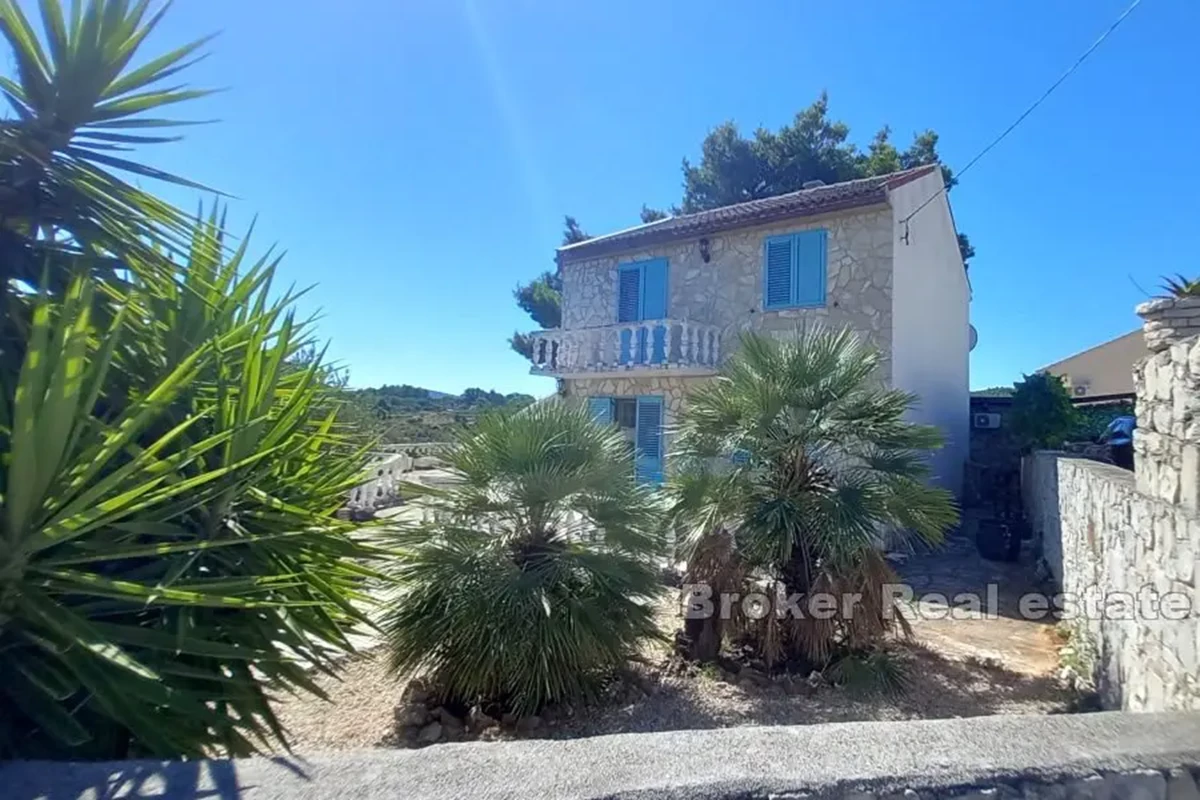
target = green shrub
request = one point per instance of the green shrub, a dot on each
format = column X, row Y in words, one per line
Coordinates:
column 169, row 552
column 1042, row 414
column 536, row 577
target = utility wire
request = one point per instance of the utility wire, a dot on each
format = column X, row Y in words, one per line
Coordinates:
column 1031, row 108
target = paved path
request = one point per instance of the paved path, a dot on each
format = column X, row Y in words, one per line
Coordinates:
column 1022, row 645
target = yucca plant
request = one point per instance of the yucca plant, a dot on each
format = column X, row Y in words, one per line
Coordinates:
column 535, row 579
column 80, row 106
column 1180, row 286
column 798, row 452
column 168, row 552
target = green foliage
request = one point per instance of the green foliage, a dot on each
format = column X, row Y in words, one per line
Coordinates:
column 1042, row 415
column 994, row 391
column 541, row 298
column 649, row 215
column 395, row 414
column 1180, row 286
column 535, row 580
column 876, row 671
column 80, row 103
column 168, row 489
column 1091, row 420
column 800, row 452
column 572, row 233
column 170, row 455
column 734, row 169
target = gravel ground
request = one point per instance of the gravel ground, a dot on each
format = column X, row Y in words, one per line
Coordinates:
column 360, row 713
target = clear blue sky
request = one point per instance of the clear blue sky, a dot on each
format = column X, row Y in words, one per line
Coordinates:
column 415, row 158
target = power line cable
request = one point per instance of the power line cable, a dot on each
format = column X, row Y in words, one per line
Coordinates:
column 1079, row 61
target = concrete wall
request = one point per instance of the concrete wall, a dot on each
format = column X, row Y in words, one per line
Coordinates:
column 727, row 291
column 1060, row 757
column 930, row 322
column 1104, row 369
column 1107, row 535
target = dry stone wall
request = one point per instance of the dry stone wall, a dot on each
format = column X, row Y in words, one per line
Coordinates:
column 1128, row 564
column 1168, row 320
column 1125, row 547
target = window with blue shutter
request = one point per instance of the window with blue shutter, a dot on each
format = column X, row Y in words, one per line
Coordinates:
column 642, row 290
column 777, row 276
column 648, row 461
column 629, row 293
column 794, row 270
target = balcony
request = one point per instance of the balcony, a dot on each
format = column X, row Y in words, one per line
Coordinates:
column 680, row 347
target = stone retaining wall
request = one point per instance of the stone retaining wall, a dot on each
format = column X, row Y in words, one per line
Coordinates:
column 1169, row 319
column 1167, row 443
column 1108, row 545
column 1108, row 535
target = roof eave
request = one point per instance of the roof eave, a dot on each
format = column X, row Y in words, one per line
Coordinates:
column 601, row 248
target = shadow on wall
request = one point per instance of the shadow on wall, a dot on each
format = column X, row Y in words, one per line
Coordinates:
column 152, row 780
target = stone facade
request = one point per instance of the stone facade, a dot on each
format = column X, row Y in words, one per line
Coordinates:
column 727, row 290
column 674, row 391
column 1108, row 535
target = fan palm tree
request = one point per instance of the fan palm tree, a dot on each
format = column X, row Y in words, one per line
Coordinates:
column 801, row 456
column 534, row 579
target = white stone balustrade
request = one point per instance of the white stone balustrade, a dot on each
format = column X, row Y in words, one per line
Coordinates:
column 659, row 344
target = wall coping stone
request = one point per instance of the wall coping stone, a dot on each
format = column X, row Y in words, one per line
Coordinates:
column 980, row 757
column 1169, row 320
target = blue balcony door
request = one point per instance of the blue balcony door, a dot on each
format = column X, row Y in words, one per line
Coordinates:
column 647, row 432
column 642, row 295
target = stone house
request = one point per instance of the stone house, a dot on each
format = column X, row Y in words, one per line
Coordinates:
column 650, row 311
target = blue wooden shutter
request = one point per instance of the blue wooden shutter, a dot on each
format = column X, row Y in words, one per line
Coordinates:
column 778, row 272
column 601, row 408
column 810, row 268
column 654, row 289
column 629, row 291
column 648, row 467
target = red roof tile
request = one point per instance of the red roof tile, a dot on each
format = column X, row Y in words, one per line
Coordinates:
column 806, row 202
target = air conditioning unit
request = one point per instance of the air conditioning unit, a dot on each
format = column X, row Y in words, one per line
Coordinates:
column 988, row 421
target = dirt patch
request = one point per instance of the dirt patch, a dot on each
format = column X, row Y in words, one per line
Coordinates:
column 361, row 711
column 958, row 666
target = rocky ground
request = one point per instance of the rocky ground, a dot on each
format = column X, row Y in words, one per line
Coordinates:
column 958, row 665
column 369, row 708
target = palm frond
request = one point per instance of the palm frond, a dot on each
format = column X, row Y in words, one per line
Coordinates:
column 799, row 449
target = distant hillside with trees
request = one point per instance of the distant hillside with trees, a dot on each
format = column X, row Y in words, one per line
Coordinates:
column 413, row 414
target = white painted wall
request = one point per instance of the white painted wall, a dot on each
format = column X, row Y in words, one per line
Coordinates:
column 930, row 322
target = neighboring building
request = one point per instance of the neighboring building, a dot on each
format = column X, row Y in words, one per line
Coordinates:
column 649, row 311
column 1105, row 369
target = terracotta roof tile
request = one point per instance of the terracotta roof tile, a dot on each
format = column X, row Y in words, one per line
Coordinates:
column 806, row 202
